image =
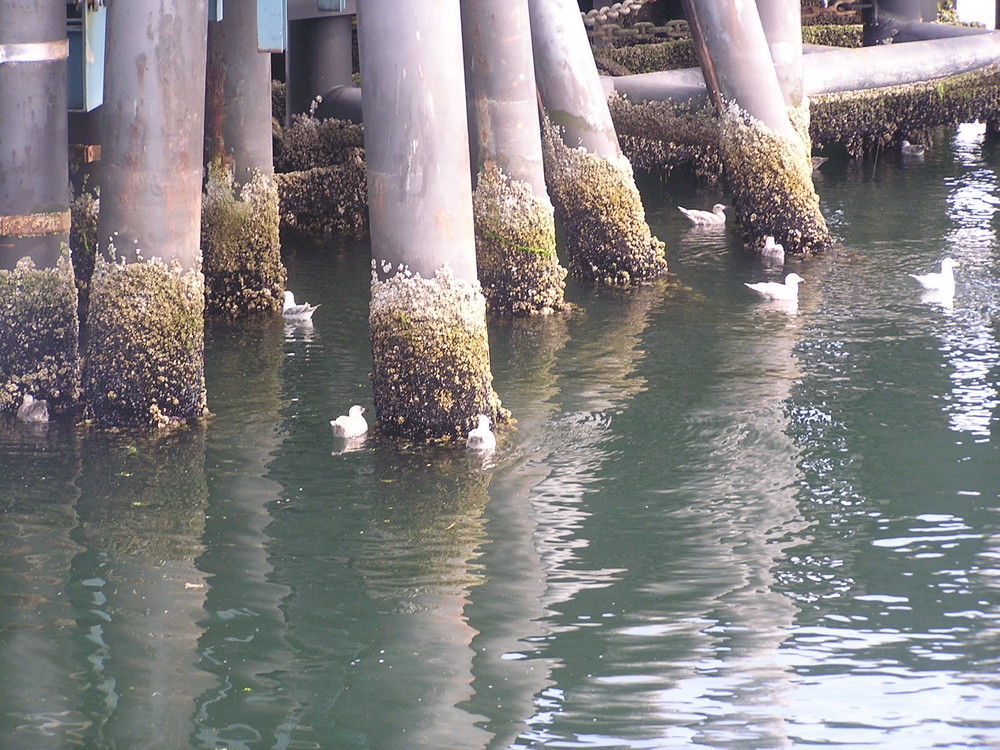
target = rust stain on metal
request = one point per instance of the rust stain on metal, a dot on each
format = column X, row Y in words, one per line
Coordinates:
column 35, row 225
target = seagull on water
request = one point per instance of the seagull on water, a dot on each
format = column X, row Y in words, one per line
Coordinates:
column 293, row 311
column 777, row 290
column 714, row 218
column 910, row 149
column 32, row 409
column 939, row 282
column 350, row 425
column 481, row 438
column 772, row 249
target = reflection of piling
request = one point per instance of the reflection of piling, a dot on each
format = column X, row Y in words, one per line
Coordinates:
column 766, row 157
column 38, row 323
column 145, row 362
column 515, row 224
column 240, row 243
column 597, row 204
column 428, row 325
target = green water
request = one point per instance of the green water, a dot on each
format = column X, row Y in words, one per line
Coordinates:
column 718, row 523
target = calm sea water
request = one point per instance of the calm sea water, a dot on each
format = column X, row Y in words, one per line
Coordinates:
column 718, row 523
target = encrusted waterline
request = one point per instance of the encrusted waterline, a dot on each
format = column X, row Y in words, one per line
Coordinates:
column 600, row 214
column 516, row 247
column 39, row 334
column 145, row 362
column 241, row 250
column 771, row 180
column 431, row 374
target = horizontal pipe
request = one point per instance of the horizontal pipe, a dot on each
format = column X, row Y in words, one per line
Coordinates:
column 839, row 69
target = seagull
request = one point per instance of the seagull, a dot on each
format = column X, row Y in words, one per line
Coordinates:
column 776, row 290
column 32, row 410
column 714, row 218
column 350, row 425
column 910, row 149
column 939, row 282
column 482, row 438
column 297, row 312
column 772, row 249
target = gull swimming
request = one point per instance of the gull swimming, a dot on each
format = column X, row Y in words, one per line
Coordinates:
column 939, row 282
column 32, row 409
column 911, row 149
column 481, row 438
column 293, row 311
column 777, row 290
column 350, row 425
column 714, row 218
column 772, row 249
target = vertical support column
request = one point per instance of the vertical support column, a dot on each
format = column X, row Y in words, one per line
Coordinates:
column 428, row 316
column 597, row 204
column 38, row 307
column 240, row 243
column 767, row 161
column 318, row 58
column 515, row 223
column 145, row 361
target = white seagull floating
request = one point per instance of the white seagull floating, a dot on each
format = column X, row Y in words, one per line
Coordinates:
column 32, row 409
column 481, row 438
column 350, row 425
column 777, row 290
column 772, row 249
column 297, row 312
column 911, row 149
column 714, row 218
column 939, row 282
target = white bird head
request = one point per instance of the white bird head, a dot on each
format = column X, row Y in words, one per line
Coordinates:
column 289, row 299
column 357, row 410
column 484, row 422
column 718, row 208
column 793, row 279
column 28, row 399
column 947, row 264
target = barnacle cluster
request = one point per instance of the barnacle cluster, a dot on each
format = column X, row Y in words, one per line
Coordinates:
column 145, row 355
column 39, row 334
column 241, row 250
column 867, row 121
column 431, row 374
column 84, row 209
column 321, row 181
column 516, row 246
column 771, row 180
column 599, row 212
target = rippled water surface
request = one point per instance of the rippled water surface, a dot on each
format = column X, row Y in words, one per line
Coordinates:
column 718, row 522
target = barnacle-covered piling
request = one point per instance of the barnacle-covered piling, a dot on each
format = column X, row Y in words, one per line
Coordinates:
column 39, row 334
column 320, row 175
column 241, row 250
column 431, row 374
column 599, row 212
column 771, row 180
column 145, row 363
column 516, row 247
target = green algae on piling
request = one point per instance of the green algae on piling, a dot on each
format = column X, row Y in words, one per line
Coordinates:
column 516, row 247
column 145, row 363
column 39, row 348
column 241, row 249
column 432, row 360
column 599, row 211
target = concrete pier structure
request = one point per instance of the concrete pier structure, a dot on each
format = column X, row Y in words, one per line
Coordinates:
column 38, row 308
column 515, row 221
column 241, row 248
column 145, row 363
column 431, row 373
column 590, row 182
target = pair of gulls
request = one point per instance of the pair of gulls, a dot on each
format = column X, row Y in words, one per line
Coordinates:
column 354, row 425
